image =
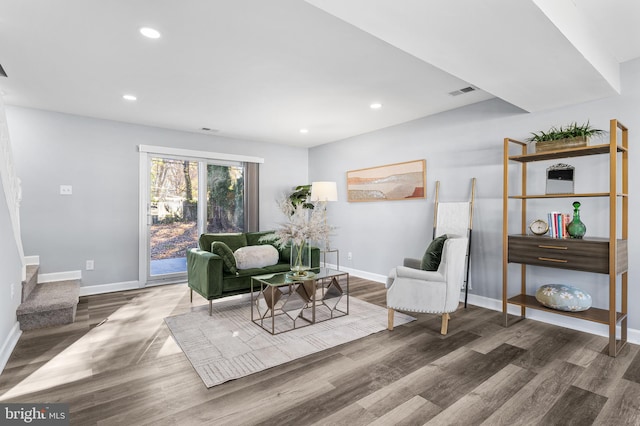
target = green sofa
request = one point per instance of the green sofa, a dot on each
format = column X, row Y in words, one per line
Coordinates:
column 208, row 276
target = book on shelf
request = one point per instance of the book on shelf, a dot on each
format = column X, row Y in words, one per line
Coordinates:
column 558, row 224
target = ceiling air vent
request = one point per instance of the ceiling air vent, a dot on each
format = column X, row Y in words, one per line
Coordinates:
column 462, row 91
column 2, row 73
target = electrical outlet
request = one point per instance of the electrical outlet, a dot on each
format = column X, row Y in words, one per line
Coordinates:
column 349, row 256
column 66, row 189
column 89, row 265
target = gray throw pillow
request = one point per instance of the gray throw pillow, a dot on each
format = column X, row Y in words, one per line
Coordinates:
column 228, row 259
column 433, row 255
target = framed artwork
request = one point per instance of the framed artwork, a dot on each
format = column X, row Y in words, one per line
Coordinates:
column 400, row 181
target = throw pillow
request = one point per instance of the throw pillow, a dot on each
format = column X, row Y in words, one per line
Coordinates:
column 433, row 255
column 256, row 256
column 233, row 240
column 228, row 260
column 563, row 297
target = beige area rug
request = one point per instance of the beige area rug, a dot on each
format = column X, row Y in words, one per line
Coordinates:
column 228, row 345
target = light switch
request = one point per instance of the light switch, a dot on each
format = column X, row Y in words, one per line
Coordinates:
column 66, row 189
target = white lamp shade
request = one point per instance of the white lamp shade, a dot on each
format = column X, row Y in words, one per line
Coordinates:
column 324, row 191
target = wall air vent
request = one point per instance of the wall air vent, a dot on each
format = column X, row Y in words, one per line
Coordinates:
column 462, row 91
column 2, row 72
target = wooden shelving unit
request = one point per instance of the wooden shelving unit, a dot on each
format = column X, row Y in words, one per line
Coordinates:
column 603, row 255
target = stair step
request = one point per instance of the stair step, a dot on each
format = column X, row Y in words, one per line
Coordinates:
column 49, row 304
column 30, row 282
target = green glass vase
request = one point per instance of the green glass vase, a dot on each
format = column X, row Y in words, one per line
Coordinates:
column 576, row 229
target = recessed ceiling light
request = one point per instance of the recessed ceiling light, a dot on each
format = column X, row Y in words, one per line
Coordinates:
column 149, row 32
column 375, row 105
column 129, row 97
column 304, row 130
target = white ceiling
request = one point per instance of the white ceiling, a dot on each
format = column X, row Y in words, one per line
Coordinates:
column 262, row 70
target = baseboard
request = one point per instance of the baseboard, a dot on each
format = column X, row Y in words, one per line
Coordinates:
column 32, row 260
column 59, row 276
column 363, row 274
column 9, row 345
column 633, row 335
column 109, row 288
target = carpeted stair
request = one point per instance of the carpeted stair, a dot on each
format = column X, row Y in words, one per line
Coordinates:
column 47, row 304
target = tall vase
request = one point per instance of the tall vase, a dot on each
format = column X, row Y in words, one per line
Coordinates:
column 576, row 228
column 300, row 258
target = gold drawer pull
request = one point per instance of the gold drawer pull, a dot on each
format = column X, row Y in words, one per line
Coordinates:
column 553, row 247
column 553, row 260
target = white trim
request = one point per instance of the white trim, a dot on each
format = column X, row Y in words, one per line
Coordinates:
column 59, row 276
column 109, row 288
column 32, row 260
column 143, row 214
column 9, row 345
column 199, row 154
column 633, row 335
column 364, row 274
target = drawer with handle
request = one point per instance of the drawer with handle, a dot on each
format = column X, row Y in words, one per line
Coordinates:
column 589, row 255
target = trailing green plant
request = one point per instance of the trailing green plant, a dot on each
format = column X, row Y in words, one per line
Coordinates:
column 572, row 130
column 301, row 195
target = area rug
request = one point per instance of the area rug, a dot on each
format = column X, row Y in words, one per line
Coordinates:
column 227, row 345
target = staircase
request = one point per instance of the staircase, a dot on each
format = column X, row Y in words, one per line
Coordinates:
column 47, row 304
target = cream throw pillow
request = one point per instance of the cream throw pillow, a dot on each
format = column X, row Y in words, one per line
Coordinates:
column 256, row 256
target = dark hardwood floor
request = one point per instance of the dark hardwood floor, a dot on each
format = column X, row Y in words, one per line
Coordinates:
column 128, row 370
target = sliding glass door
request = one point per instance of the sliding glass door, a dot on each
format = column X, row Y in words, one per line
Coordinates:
column 185, row 198
column 173, row 196
column 225, row 198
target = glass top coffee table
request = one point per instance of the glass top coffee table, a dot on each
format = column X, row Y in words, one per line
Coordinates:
column 283, row 302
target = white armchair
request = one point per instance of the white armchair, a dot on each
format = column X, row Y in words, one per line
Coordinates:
column 411, row 289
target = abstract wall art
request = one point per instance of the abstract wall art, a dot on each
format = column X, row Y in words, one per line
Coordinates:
column 399, row 181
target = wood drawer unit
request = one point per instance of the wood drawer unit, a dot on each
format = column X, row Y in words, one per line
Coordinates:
column 588, row 254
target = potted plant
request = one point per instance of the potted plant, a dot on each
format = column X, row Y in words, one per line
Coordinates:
column 571, row 136
column 301, row 228
column 301, row 196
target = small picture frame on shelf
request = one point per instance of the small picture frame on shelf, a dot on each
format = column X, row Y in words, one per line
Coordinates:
column 560, row 179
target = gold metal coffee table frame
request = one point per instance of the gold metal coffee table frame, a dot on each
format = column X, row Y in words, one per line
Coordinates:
column 280, row 302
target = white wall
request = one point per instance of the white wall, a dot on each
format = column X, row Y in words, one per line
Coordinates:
column 11, row 266
column 100, row 160
column 466, row 143
column 10, row 275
